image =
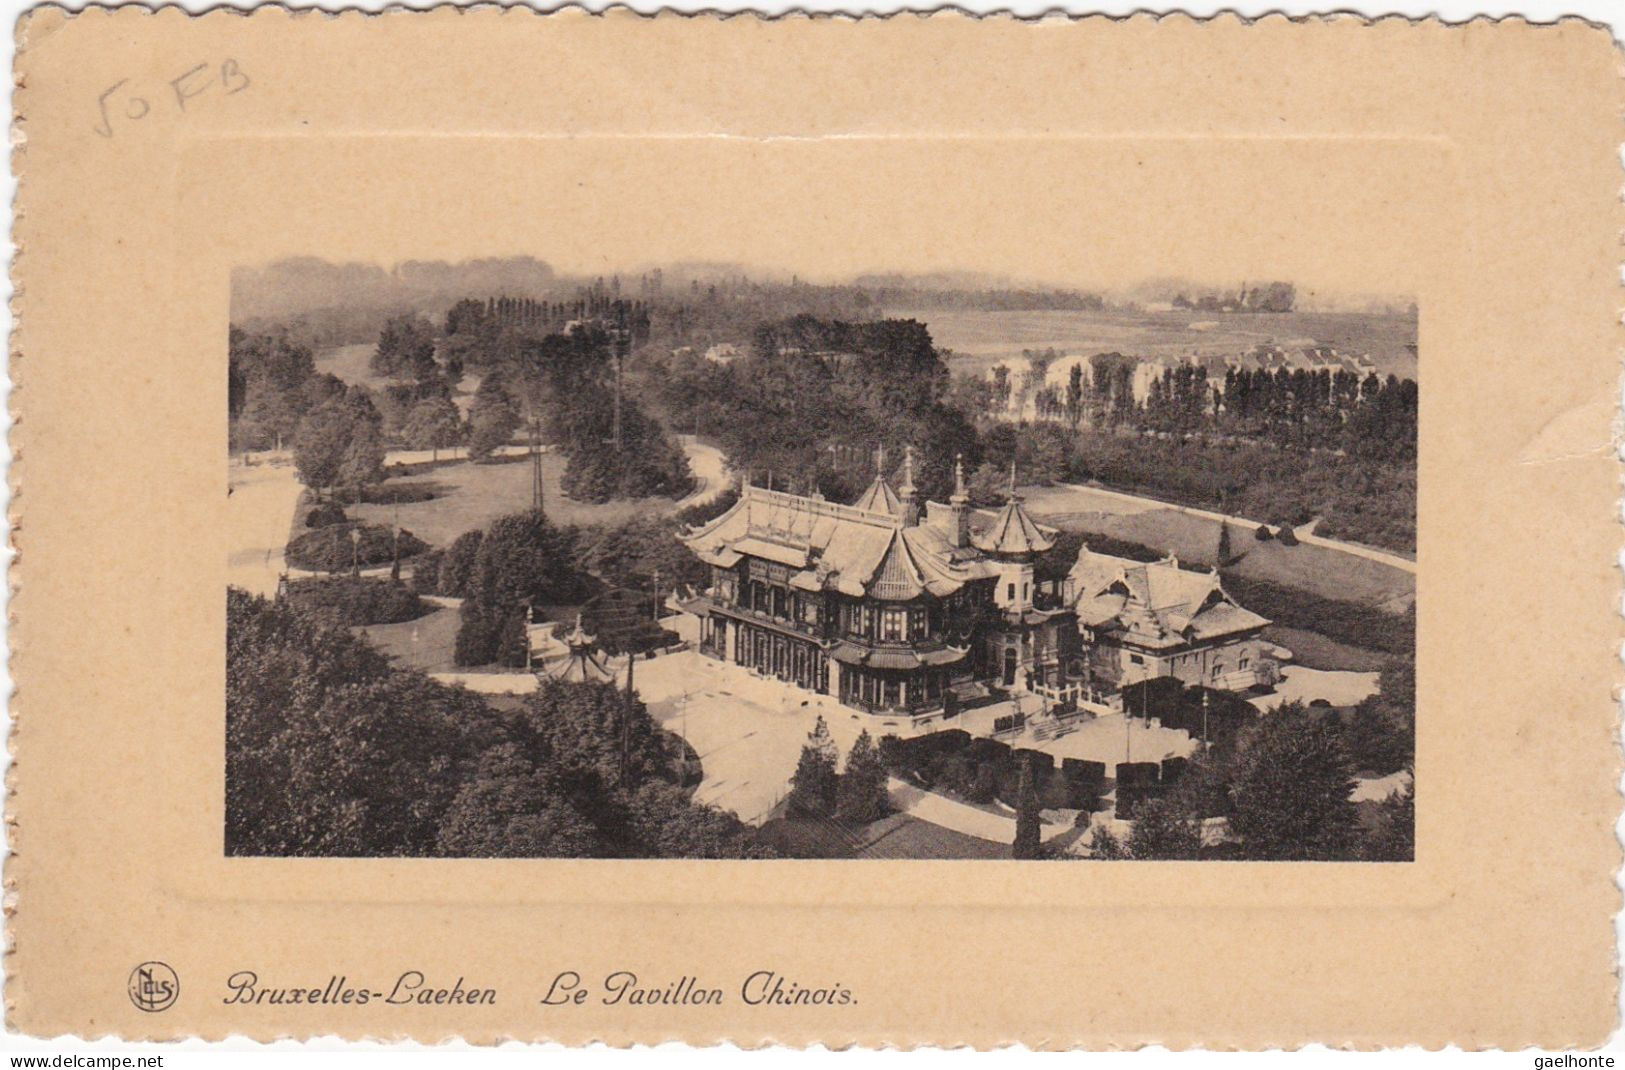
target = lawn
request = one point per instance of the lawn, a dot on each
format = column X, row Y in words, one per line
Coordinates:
column 1315, row 651
column 352, row 364
column 470, row 496
column 426, row 643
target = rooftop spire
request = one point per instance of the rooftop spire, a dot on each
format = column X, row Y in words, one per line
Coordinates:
column 880, row 459
column 960, row 494
column 1012, row 493
column 906, row 492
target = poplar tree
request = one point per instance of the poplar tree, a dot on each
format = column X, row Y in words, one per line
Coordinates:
column 861, row 794
column 812, row 788
column 1028, row 837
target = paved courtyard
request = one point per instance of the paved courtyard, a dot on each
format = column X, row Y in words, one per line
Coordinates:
column 747, row 731
column 1300, row 684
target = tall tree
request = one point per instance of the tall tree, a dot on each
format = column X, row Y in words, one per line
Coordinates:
column 1029, row 835
column 1291, row 779
column 812, row 788
column 861, row 795
column 362, row 462
column 269, row 417
column 320, row 444
column 433, row 424
column 1163, row 830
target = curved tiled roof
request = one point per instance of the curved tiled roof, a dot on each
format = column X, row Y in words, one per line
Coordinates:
column 880, row 498
column 838, row 547
column 1013, row 532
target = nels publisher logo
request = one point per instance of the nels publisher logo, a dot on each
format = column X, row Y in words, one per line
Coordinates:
column 153, row 986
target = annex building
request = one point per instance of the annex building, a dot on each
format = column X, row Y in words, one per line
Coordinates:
column 914, row 611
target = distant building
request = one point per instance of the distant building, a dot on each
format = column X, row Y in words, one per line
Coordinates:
column 1147, row 372
column 722, row 353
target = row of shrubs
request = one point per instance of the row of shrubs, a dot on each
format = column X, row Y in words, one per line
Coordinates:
column 1283, row 533
column 1140, row 782
column 1191, row 708
column 983, row 770
column 350, row 602
column 330, row 548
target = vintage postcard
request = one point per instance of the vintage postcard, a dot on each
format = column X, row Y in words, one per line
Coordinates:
column 889, row 531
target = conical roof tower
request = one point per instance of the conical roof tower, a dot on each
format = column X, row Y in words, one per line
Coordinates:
column 880, row 498
column 1013, row 533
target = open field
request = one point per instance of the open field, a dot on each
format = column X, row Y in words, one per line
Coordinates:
column 1317, row 569
column 470, row 496
column 981, row 339
column 350, row 364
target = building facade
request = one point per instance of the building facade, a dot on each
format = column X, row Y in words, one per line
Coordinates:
column 1140, row 620
column 912, row 613
column 891, row 608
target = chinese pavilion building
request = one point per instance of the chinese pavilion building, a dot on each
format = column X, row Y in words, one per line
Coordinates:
column 892, row 608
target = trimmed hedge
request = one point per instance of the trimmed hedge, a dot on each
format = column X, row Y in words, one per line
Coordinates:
column 329, row 549
column 348, row 601
column 389, row 494
column 981, row 770
column 324, row 513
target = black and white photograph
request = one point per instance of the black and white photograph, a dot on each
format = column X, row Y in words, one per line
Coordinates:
column 692, row 559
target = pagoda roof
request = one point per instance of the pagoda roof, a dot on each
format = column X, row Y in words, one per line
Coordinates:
column 880, row 498
column 845, row 548
column 1013, row 532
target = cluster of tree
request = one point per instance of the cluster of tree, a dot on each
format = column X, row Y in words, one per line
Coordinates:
column 331, row 752
column 1270, row 297
column 351, row 601
column 1371, row 417
column 352, row 546
column 571, row 387
column 519, row 562
column 856, row 795
column 271, row 385
column 1359, row 499
column 406, row 346
column 843, row 387
column 1283, row 782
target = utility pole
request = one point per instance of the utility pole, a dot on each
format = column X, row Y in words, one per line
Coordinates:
column 657, row 597
column 1204, row 720
column 626, row 714
column 536, row 499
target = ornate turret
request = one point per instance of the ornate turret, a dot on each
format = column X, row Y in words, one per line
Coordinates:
column 880, row 498
column 583, row 665
column 907, row 493
column 958, row 532
column 1013, row 533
